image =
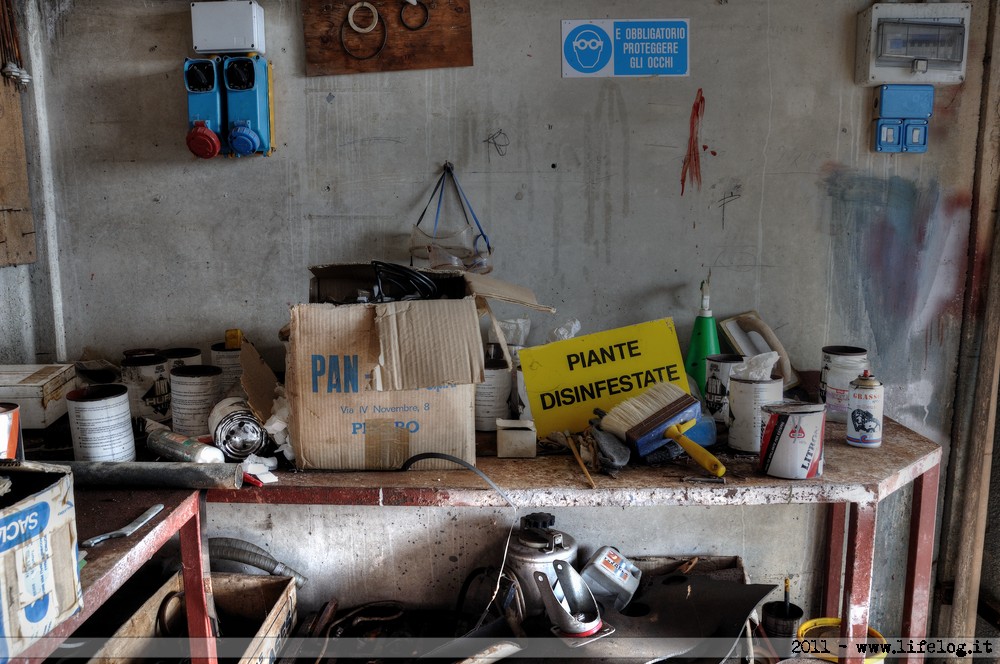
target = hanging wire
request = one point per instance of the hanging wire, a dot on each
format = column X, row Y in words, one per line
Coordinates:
column 11, row 65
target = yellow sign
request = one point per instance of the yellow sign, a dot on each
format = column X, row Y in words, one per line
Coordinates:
column 567, row 380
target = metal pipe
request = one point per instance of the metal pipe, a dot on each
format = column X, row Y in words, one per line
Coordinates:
column 161, row 474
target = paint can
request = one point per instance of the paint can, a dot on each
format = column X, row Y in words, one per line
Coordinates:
column 841, row 365
column 194, row 391
column 791, row 444
column 718, row 368
column 493, row 394
column 236, row 430
column 746, row 397
column 780, row 624
column 148, row 383
column 227, row 359
column 136, row 352
column 865, row 404
column 177, row 357
column 11, row 438
column 521, row 407
column 100, row 423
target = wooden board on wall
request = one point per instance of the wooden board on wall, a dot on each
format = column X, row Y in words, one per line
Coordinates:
column 445, row 41
column 17, row 227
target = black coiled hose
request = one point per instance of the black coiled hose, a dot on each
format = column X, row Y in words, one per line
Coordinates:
column 241, row 551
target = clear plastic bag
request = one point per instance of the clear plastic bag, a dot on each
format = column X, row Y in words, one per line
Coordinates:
column 465, row 249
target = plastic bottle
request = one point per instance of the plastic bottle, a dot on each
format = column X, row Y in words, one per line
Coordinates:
column 704, row 338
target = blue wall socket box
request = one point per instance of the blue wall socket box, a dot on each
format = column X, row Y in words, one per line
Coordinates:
column 904, row 101
column 248, row 116
column 39, row 569
column 901, row 117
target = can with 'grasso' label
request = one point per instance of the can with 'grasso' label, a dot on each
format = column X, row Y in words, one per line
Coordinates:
column 791, row 442
column 864, row 411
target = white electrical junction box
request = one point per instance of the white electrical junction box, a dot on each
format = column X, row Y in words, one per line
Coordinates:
column 920, row 43
column 227, row 26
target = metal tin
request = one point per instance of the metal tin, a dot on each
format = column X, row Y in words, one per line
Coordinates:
column 791, row 443
column 227, row 359
column 177, row 357
column 493, row 398
column 100, row 423
column 840, row 365
column 745, row 400
column 717, row 371
column 866, row 403
column 148, row 382
column 194, row 391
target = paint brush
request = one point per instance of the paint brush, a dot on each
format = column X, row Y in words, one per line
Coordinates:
column 662, row 411
column 788, row 587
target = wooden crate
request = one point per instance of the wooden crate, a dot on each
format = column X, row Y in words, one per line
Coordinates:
column 255, row 610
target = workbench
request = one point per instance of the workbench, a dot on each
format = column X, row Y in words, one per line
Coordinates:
column 855, row 481
column 111, row 563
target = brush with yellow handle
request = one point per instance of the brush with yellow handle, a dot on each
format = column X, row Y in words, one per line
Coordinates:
column 662, row 411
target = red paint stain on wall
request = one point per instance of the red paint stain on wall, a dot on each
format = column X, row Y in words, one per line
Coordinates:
column 692, row 160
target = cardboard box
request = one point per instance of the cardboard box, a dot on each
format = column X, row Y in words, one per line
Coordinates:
column 516, row 438
column 370, row 385
column 39, row 573
column 567, row 380
column 39, row 389
column 256, row 616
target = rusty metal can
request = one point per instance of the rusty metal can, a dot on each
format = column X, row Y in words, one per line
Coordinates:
column 865, row 406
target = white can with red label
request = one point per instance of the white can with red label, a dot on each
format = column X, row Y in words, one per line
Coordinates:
column 791, row 443
column 864, row 411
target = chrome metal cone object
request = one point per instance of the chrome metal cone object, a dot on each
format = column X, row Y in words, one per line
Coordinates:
column 582, row 617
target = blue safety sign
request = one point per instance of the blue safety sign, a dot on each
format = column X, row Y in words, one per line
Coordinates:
column 631, row 47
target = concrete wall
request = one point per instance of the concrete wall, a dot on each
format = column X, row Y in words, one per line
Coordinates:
column 795, row 216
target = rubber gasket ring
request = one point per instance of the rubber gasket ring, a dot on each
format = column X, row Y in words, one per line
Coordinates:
column 350, row 17
column 343, row 44
column 410, row 26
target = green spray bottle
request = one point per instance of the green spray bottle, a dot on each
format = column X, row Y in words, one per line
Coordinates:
column 704, row 338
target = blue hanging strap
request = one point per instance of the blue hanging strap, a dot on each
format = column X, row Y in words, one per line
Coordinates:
column 437, row 214
column 461, row 193
column 438, row 190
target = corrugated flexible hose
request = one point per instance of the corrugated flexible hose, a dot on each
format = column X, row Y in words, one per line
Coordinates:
column 241, row 551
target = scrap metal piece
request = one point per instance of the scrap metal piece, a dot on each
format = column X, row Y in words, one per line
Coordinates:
column 125, row 531
column 703, row 478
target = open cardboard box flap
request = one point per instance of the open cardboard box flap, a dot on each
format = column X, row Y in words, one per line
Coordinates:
column 258, row 381
column 494, row 289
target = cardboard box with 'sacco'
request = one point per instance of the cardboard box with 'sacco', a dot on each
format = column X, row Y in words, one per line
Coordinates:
column 39, row 573
column 370, row 385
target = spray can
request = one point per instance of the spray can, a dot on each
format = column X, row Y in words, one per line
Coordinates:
column 865, row 405
column 178, row 447
column 704, row 339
